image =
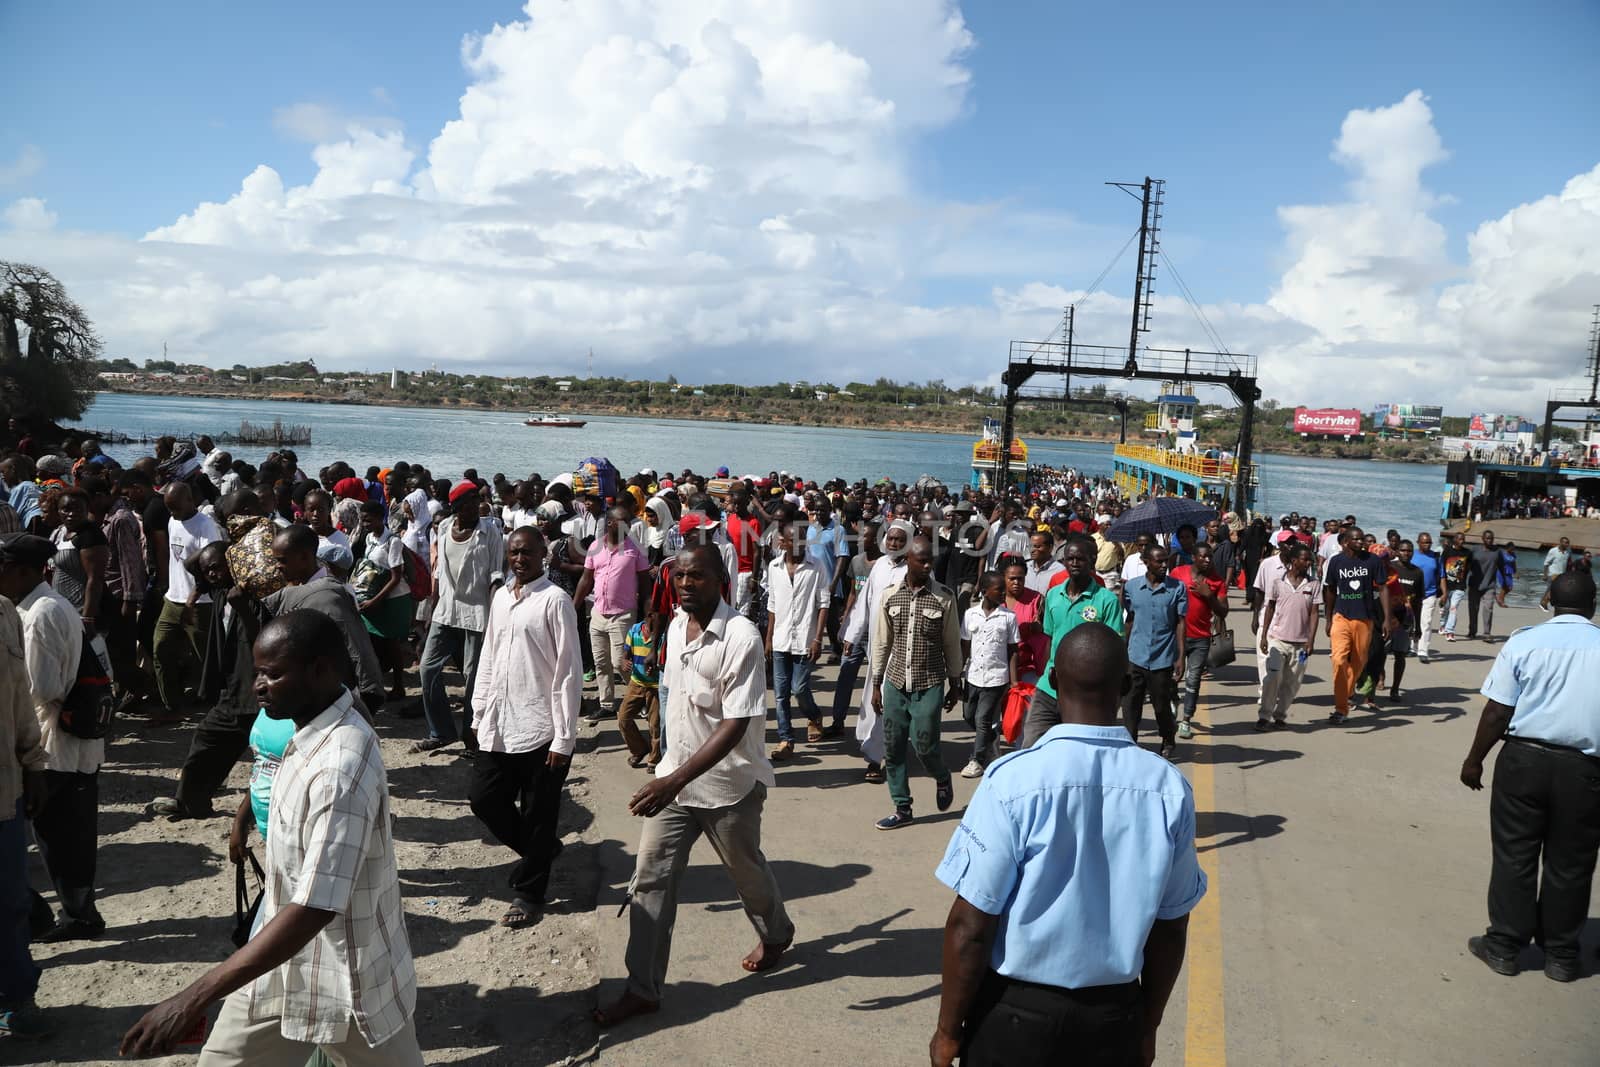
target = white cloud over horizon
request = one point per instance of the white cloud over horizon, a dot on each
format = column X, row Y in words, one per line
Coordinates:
column 726, row 194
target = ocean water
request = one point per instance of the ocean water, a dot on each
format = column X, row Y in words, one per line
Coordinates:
column 1407, row 497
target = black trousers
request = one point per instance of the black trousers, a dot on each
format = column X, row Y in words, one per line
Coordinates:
column 1545, row 804
column 219, row 740
column 1474, row 598
column 1019, row 1024
column 1160, row 686
column 518, row 797
column 67, row 831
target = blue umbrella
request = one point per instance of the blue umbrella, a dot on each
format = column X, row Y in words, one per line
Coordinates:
column 1159, row 515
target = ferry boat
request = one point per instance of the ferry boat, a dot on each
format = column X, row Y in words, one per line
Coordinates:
column 552, row 421
column 1484, row 470
column 1173, row 462
column 987, row 452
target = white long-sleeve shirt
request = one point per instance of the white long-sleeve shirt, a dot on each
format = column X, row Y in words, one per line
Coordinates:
column 794, row 602
column 52, row 641
column 530, row 671
column 884, row 573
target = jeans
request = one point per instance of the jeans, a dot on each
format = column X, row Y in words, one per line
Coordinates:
column 984, row 706
column 608, row 637
column 19, row 975
column 913, row 718
column 1019, row 1024
column 845, row 684
column 517, row 795
column 1195, row 651
column 1159, row 684
column 1545, row 805
column 67, row 831
column 1349, row 645
column 791, row 674
column 445, row 642
column 178, row 650
column 664, row 846
column 1455, row 597
column 1282, row 671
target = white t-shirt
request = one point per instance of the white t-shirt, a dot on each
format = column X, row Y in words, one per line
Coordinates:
column 1132, row 567
column 184, row 541
column 388, row 554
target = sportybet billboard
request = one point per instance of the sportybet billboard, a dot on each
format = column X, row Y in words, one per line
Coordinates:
column 1328, row 422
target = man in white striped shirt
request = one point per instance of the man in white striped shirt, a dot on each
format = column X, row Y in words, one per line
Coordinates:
column 530, row 683
column 330, row 965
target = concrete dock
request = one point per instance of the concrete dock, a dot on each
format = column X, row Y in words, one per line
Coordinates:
column 1348, row 866
column 1534, row 533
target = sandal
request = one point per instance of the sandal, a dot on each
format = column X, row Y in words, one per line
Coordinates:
column 636, row 762
column 518, row 916
column 874, row 773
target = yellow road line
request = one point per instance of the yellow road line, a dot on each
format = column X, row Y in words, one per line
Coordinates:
column 1204, row 1042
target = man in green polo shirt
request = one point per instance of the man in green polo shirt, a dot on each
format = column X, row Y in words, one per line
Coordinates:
column 1078, row 600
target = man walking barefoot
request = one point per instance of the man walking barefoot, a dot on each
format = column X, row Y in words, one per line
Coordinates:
column 712, row 780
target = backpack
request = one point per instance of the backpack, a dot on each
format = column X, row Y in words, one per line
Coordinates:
column 418, row 577
column 87, row 708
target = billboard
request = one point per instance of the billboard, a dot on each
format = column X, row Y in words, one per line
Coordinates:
column 1407, row 417
column 1489, row 427
column 1327, row 422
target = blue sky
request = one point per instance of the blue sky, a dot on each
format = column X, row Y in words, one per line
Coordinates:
column 141, row 112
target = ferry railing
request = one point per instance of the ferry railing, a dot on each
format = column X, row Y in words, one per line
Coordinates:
column 1186, row 462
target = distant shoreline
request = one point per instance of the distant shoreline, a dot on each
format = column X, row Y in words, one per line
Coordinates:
column 864, row 421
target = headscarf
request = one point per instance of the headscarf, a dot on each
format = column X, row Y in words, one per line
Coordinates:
column 350, row 489
column 347, row 513
column 53, row 468
column 179, row 465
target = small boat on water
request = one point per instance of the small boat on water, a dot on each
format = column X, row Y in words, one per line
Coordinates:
column 551, row 421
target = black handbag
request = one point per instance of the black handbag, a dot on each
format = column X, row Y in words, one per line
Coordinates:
column 1222, row 651
column 244, row 909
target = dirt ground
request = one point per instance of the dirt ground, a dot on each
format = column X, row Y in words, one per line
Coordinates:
column 486, row 995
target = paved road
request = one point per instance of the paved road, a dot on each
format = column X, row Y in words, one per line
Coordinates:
column 1348, row 867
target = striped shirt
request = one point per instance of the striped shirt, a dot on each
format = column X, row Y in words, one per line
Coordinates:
column 330, row 849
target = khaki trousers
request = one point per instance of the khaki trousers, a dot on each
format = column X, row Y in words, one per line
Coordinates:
column 237, row 1042
column 735, row 833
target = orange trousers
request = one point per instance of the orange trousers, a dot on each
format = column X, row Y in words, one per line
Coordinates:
column 1350, row 642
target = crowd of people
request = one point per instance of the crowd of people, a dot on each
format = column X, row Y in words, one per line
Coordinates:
column 277, row 612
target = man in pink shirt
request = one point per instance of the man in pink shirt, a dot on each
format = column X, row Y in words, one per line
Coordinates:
column 611, row 571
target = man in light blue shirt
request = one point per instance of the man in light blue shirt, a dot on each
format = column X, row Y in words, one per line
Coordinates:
column 1545, row 802
column 1075, row 870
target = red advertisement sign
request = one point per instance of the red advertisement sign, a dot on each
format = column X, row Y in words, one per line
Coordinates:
column 1329, row 422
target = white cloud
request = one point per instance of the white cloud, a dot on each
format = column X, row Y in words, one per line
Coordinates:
column 29, row 161
column 29, row 213
column 728, row 187
column 316, row 123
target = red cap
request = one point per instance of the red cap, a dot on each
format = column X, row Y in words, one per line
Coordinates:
column 693, row 520
column 462, row 489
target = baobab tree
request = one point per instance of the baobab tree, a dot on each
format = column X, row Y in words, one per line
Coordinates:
column 48, row 347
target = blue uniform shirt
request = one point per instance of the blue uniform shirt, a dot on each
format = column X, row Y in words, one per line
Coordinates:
column 1158, row 613
column 1547, row 673
column 1079, row 844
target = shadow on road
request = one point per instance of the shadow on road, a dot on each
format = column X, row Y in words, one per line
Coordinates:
column 1219, row 829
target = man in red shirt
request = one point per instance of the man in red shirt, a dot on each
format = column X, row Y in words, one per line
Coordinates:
column 1208, row 600
column 744, row 530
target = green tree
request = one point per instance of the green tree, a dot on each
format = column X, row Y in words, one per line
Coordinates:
column 53, row 376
